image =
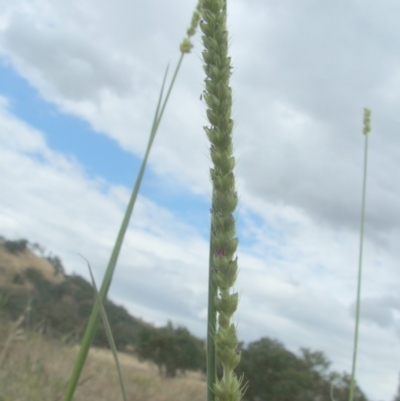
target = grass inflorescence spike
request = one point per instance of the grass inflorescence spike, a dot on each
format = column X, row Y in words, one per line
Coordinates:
column 223, row 263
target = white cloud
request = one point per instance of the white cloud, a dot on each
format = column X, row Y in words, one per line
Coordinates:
column 74, row 65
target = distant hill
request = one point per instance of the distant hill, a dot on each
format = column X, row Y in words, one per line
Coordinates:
column 58, row 305
column 16, row 258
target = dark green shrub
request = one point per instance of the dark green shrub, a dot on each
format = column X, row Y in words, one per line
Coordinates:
column 171, row 349
column 18, row 279
column 55, row 261
column 15, row 247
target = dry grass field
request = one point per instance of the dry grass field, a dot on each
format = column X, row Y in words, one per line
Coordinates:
column 37, row 369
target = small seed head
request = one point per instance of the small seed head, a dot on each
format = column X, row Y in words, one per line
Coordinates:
column 186, row 46
column 367, row 121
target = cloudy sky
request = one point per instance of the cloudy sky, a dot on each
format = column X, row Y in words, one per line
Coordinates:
column 79, row 82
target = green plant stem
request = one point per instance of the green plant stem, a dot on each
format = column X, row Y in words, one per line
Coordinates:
column 211, row 327
column 94, row 319
column 358, row 304
column 108, row 332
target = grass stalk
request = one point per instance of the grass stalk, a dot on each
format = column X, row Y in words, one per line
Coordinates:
column 367, row 129
column 108, row 332
column 211, row 328
column 94, row 319
column 223, row 242
column 16, row 332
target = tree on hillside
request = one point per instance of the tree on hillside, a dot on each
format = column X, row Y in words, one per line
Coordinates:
column 124, row 327
column 316, row 365
column 191, row 350
column 272, row 372
column 55, row 261
column 17, row 246
column 340, row 387
column 276, row 374
column 158, row 346
column 170, row 349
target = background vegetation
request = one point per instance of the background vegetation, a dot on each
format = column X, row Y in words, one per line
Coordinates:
column 55, row 320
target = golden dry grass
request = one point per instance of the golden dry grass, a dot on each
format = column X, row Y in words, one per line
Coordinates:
column 10, row 264
column 38, row 369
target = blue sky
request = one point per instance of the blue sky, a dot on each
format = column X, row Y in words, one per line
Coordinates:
column 102, row 157
column 78, row 86
column 67, row 133
column 98, row 154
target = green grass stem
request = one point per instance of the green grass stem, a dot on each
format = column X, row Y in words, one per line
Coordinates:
column 94, row 319
column 367, row 129
column 108, row 332
column 211, row 328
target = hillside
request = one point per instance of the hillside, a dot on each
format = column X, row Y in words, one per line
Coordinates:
column 16, row 258
column 58, row 305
